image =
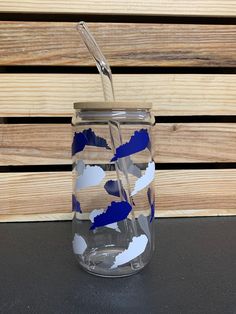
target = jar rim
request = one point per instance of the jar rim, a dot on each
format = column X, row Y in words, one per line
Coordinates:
column 112, row 105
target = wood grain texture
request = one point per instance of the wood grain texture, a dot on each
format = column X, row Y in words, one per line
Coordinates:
column 35, row 144
column 171, row 94
column 124, row 44
column 35, row 217
column 195, row 142
column 131, row 7
column 38, row 144
column 35, row 193
column 180, row 193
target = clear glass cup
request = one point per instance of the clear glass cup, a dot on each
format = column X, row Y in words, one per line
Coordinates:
column 113, row 187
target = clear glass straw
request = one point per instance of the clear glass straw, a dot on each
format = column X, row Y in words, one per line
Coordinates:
column 101, row 62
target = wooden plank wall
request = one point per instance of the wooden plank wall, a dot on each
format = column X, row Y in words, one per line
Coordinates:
column 178, row 54
column 150, row 7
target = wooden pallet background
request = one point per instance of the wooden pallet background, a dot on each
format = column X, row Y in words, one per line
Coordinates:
column 178, row 54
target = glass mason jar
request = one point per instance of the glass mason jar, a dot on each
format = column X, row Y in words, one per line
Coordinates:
column 113, row 187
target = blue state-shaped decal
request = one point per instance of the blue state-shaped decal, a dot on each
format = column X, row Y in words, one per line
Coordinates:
column 75, row 205
column 151, row 203
column 115, row 212
column 87, row 137
column 138, row 142
column 112, row 188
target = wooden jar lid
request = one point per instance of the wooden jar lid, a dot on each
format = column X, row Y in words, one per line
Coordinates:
column 127, row 105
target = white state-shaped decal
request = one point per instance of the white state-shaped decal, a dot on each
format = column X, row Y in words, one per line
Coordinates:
column 146, row 179
column 97, row 212
column 92, row 175
column 145, row 225
column 136, row 247
column 79, row 244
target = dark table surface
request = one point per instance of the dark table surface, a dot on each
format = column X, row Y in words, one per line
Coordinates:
column 193, row 271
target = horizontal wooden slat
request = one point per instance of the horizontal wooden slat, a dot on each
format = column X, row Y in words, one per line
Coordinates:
column 180, row 193
column 124, row 44
column 148, row 7
column 35, row 144
column 171, row 94
column 195, row 142
column 36, row 217
column 39, row 144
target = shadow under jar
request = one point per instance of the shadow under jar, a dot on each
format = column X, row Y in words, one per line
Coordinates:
column 113, row 187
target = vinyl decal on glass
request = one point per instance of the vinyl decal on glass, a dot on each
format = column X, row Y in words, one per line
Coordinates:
column 128, row 166
column 146, row 179
column 79, row 244
column 87, row 137
column 117, row 211
column 151, row 203
column 92, row 175
column 75, row 204
column 136, row 247
column 112, row 188
column 138, row 142
column 97, row 212
column 80, row 166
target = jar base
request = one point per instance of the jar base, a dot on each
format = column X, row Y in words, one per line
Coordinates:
column 99, row 262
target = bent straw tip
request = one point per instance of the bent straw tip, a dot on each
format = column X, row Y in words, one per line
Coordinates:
column 80, row 25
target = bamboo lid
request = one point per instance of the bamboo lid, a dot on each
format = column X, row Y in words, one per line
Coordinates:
column 128, row 105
